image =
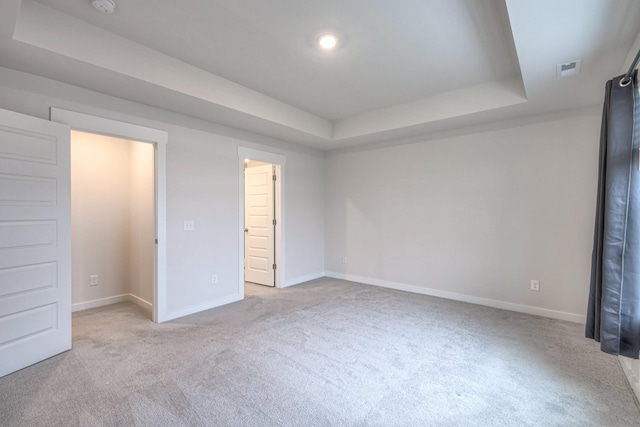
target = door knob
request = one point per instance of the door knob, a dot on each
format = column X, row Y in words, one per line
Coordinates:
column 246, row 230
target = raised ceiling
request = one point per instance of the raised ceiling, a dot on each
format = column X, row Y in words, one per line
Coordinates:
column 402, row 68
column 390, row 52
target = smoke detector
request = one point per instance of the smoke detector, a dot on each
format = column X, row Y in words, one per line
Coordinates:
column 104, row 6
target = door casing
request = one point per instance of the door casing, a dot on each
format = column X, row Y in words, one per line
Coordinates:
column 280, row 260
column 159, row 138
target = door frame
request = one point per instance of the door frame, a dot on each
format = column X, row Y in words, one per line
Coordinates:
column 159, row 138
column 279, row 259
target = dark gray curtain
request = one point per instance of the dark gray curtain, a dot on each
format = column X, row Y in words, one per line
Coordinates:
column 613, row 317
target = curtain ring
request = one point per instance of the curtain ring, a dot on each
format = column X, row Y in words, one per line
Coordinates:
column 624, row 82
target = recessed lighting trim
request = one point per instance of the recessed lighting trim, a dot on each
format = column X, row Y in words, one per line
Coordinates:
column 327, row 41
column 104, row 6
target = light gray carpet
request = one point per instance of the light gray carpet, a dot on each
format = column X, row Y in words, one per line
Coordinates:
column 327, row 352
column 253, row 289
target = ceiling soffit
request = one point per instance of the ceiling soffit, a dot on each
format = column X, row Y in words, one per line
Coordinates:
column 48, row 29
column 497, row 34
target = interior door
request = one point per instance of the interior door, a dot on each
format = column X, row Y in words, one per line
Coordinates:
column 259, row 227
column 35, row 240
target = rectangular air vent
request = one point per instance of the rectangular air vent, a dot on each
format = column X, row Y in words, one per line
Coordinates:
column 568, row 69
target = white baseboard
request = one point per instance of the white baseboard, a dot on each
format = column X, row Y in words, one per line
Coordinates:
column 201, row 307
column 79, row 306
column 99, row 302
column 553, row 314
column 634, row 380
column 146, row 305
column 302, row 279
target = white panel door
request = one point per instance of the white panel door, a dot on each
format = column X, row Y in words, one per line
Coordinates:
column 258, row 223
column 35, row 241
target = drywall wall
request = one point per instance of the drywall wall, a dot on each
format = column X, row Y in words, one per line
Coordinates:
column 100, row 173
column 631, row 369
column 304, row 232
column 113, row 220
column 142, row 222
column 472, row 217
column 202, row 185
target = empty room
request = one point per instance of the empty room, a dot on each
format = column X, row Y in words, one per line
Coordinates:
column 301, row 213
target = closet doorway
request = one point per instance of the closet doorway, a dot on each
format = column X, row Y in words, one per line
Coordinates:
column 113, row 221
column 158, row 139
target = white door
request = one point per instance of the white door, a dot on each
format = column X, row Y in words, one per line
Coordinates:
column 259, row 227
column 35, row 241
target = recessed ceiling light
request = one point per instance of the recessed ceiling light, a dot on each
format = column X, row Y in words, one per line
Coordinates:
column 327, row 41
column 104, row 6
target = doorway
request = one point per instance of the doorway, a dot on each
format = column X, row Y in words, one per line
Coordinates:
column 112, row 221
column 262, row 204
column 159, row 139
column 259, row 222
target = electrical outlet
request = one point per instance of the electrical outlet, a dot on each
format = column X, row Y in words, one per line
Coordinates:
column 214, row 279
column 535, row 285
column 93, row 280
column 344, row 259
column 189, row 225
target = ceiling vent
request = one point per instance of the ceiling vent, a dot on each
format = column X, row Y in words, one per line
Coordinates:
column 568, row 69
column 104, row 6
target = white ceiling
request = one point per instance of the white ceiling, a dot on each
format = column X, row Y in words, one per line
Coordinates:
column 390, row 53
column 402, row 68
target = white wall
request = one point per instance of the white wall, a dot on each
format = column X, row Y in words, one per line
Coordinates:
column 113, row 219
column 477, row 215
column 100, row 171
column 631, row 369
column 202, row 185
column 305, row 223
column 519, row 202
column 142, row 221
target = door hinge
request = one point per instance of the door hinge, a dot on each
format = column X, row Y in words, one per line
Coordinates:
column 274, row 266
column 274, row 177
column 275, row 222
column 156, row 241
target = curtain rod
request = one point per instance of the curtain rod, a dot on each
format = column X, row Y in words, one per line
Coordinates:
column 627, row 77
